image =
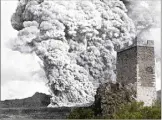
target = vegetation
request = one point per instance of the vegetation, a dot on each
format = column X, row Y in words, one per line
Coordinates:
column 134, row 110
column 34, row 113
column 81, row 113
column 110, row 96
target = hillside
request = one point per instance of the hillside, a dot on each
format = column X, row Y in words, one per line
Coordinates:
column 37, row 100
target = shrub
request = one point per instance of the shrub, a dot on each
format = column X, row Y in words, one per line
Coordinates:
column 136, row 110
column 81, row 113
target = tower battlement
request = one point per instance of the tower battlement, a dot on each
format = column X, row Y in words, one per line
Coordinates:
column 127, row 45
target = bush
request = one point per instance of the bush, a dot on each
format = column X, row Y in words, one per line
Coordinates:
column 81, row 113
column 136, row 110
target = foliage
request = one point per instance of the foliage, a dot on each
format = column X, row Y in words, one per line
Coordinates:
column 81, row 113
column 137, row 110
column 134, row 110
column 110, row 96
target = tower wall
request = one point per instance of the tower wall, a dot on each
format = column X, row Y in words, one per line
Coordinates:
column 126, row 65
column 146, row 90
column 136, row 64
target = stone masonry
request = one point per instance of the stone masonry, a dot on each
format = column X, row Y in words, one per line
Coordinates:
column 136, row 64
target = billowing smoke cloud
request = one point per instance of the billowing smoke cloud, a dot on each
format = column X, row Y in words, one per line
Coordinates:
column 146, row 15
column 75, row 40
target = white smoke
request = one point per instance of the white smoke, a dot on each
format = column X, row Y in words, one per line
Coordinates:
column 146, row 15
column 75, row 40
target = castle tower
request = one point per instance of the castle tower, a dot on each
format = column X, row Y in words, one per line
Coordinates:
column 136, row 64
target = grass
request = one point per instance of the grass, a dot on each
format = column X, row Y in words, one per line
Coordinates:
column 35, row 113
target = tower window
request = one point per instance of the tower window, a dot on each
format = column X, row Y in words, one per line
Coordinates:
column 149, row 69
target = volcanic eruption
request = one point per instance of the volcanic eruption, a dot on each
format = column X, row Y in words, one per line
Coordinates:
column 75, row 40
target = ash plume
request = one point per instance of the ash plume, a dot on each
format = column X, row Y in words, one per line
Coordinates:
column 75, row 40
column 144, row 13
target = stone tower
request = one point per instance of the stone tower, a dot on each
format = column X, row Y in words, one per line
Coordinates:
column 136, row 65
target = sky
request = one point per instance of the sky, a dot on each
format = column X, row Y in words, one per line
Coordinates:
column 21, row 74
